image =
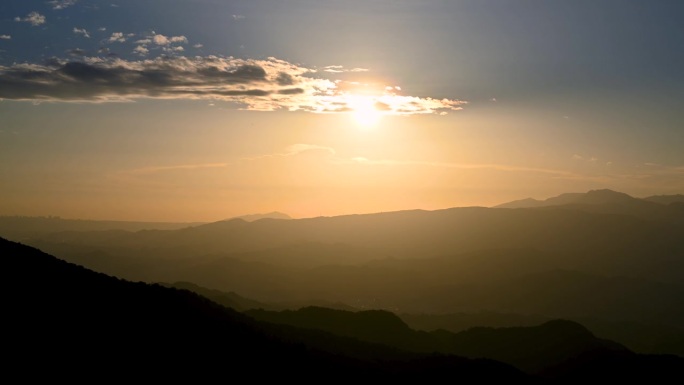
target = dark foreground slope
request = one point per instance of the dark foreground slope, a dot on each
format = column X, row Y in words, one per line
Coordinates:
column 62, row 321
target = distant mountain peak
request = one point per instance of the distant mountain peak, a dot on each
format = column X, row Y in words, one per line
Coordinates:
column 567, row 327
column 521, row 203
column 608, row 194
column 256, row 217
column 600, row 196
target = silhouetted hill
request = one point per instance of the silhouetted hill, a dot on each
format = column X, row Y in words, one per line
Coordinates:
column 521, row 204
column 593, row 197
column 227, row 299
column 533, row 349
column 371, row 325
column 637, row 336
column 21, row 227
column 256, row 217
column 69, row 322
column 538, row 349
column 458, row 322
column 240, row 303
column 666, row 199
column 607, row 202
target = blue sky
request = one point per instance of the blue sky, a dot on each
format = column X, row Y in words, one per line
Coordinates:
column 231, row 107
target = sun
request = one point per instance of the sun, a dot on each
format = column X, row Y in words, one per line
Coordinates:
column 366, row 115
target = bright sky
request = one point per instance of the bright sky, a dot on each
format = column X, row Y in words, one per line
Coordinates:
column 200, row 110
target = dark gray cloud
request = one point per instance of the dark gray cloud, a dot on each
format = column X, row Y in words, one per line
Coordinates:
column 291, row 91
column 265, row 85
column 285, row 79
column 100, row 79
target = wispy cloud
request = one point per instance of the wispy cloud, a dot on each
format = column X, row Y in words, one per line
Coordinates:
column 263, row 85
column 81, row 31
column 61, row 4
column 33, row 18
column 295, row 149
column 5, row 37
column 340, row 69
column 300, row 148
column 238, row 17
column 158, row 169
column 464, row 166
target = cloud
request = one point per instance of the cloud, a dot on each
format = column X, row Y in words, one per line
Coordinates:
column 76, row 52
column 33, row 18
column 330, row 155
column 464, row 166
column 263, row 85
column 117, row 37
column 238, row 17
column 102, row 29
column 61, row 4
column 5, row 37
column 141, row 50
column 81, row 32
column 159, row 39
column 299, row 148
column 340, row 69
column 295, row 149
column 198, row 45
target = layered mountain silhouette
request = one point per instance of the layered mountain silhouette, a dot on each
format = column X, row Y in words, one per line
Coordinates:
column 533, row 349
column 67, row 322
column 544, row 350
column 602, row 257
column 76, row 324
column 21, row 227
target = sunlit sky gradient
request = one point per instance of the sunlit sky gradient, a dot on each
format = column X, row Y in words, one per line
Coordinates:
column 200, row 110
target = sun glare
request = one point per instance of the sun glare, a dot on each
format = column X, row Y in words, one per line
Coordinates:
column 364, row 111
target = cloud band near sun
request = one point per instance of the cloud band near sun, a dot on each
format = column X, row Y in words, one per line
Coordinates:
column 264, row 85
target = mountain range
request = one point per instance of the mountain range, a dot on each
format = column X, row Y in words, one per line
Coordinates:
column 610, row 261
column 77, row 324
